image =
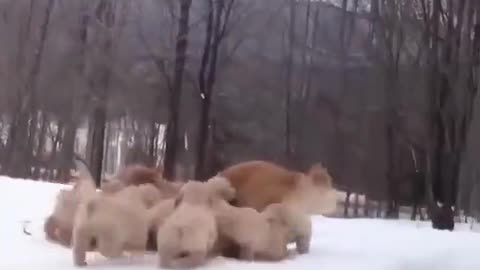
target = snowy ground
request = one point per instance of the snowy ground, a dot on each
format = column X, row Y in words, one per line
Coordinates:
column 337, row 244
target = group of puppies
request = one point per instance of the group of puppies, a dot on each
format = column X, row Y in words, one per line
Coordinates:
column 249, row 211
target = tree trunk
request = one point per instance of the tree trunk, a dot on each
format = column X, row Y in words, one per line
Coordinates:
column 68, row 144
column 203, row 140
column 173, row 134
column 42, row 138
column 214, row 34
column 97, row 139
column 346, row 209
column 366, row 207
column 20, row 157
column 356, row 205
column 105, row 12
column 205, row 93
column 289, row 80
column 379, row 209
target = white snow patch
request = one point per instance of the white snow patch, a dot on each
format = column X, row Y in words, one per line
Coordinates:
column 337, row 244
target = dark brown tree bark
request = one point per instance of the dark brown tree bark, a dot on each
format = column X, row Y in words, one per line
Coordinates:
column 173, row 135
column 215, row 30
column 68, row 142
column 305, row 101
column 20, row 155
column 346, row 208
column 97, row 139
column 366, row 207
column 40, row 147
column 356, row 205
column 452, row 91
column 289, row 80
column 105, row 13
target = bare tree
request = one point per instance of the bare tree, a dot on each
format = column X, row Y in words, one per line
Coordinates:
column 215, row 31
column 289, row 78
column 72, row 117
column 17, row 149
column 452, row 91
column 172, row 137
column 105, row 14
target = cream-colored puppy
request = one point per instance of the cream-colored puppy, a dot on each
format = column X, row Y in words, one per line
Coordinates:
column 59, row 225
column 116, row 223
column 254, row 234
column 290, row 221
column 187, row 237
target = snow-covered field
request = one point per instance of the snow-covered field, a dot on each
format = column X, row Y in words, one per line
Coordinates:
column 337, row 244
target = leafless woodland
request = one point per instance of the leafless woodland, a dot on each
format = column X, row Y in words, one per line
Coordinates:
column 383, row 92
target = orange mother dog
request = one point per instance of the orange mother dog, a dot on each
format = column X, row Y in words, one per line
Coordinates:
column 261, row 183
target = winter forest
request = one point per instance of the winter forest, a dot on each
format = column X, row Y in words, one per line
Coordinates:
column 382, row 92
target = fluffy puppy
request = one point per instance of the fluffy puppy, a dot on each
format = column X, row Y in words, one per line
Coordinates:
column 150, row 194
column 136, row 175
column 291, row 222
column 203, row 193
column 192, row 192
column 254, row 235
column 146, row 193
column 157, row 215
column 116, row 222
column 261, row 183
column 59, row 225
column 157, row 204
column 187, row 237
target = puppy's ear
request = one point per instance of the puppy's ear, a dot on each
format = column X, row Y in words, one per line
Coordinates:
column 178, row 200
